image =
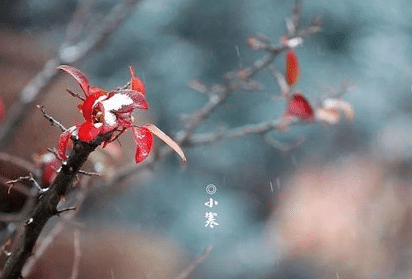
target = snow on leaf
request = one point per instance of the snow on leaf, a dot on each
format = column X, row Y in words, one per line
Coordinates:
column 138, row 98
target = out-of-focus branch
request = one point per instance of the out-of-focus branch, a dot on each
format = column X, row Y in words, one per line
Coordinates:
column 192, row 266
column 4, row 157
column 77, row 255
column 257, row 129
column 218, row 95
column 34, row 91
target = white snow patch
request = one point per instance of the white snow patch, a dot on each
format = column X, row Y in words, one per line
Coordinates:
column 114, row 103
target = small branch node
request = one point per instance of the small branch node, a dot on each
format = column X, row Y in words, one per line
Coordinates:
column 25, row 178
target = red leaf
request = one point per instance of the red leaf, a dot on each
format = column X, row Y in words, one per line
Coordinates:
column 166, row 139
column 88, row 131
column 87, row 106
column 96, row 90
column 136, row 83
column 79, row 76
column 63, row 142
column 144, row 140
column 299, row 106
column 292, row 67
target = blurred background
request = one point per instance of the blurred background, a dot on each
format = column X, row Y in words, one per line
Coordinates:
column 338, row 206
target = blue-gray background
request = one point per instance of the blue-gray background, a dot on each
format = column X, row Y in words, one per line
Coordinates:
column 367, row 43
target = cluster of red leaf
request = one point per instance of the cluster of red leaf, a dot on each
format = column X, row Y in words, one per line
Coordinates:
column 111, row 113
column 299, row 106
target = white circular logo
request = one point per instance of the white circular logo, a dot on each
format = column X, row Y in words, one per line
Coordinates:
column 211, row 189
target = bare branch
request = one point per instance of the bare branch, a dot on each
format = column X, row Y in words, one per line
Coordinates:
column 233, row 81
column 67, row 218
column 52, row 120
column 89, row 173
column 29, row 178
column 46, row 207
column 261, row 128
column 75, row 94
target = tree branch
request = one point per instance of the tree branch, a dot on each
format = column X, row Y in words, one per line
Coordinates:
column 46, row 207
column 218, row 95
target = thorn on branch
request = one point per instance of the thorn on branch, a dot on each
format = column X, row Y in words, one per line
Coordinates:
column 51, row 119
column 75, row 95
column 89, row 173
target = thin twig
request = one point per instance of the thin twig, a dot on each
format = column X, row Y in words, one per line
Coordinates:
column 251, row 129
column 29, row 178
column 74, row 94
column 233, row 81
column 51, row 119
column 89, row 173
column 280, row 80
